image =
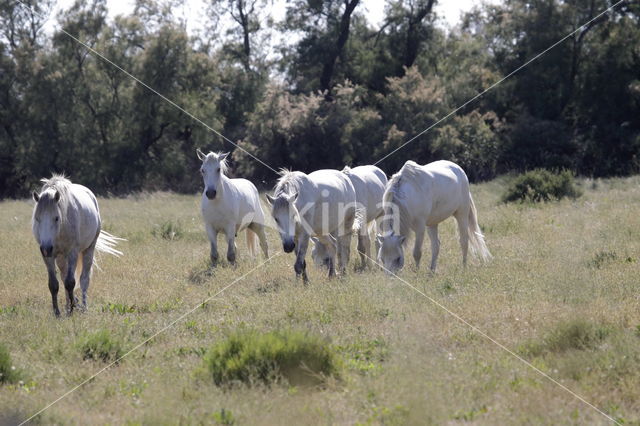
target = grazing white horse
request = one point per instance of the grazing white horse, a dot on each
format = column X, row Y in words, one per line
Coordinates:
column 230, row 206
column 318, row 204
column 369, row 183
column 419, row 197
column 66, row 224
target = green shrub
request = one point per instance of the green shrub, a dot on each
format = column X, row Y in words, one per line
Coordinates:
column 574, row 334
column 298, row 357
column 542, row 185
column 101, row 346
column 8, row 372
column 168, row 230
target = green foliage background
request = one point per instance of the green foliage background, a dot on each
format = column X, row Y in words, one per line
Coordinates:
column 64, row 110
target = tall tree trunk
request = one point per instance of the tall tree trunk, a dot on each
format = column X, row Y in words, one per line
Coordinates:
column 413, row 34
column 343, row 36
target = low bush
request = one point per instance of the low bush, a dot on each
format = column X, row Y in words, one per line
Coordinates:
column 101, row 346
column 248, row 356
column 542, row 185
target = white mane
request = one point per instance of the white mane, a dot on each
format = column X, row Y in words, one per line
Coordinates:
column 393, row 195
column 289, row 182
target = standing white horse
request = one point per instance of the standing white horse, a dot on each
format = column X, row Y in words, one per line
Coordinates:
column 318, row 204
column 369, row 183
column 230, row 206
column 66, row 225
column 419, row 197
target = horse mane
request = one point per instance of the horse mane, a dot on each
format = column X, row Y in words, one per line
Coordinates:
column 289, row 182
column 57, row 183
column 393, row 195
column 346, row 170
column 224, row 167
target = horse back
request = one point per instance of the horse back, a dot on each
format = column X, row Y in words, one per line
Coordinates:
column 84, row 215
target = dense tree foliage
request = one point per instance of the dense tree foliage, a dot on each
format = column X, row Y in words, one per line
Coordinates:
column 340, row 91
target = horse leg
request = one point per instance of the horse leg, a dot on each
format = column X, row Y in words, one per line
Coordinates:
column 301, row 251
column 213, row 238
column 463, row 230
column 258, row 228
column 344, row 248
column 330, row 247
column 231, row 245
column 53, row 283
column 85, row 276
column 376, row 242
column 70, row 279
column 417, row 248
column 435, row 245
column 364, row 246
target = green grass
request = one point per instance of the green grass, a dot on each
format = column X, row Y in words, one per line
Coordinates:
column 8, row 371
column 561, row 291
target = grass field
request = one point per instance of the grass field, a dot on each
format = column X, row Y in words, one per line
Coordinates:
column 563, row 291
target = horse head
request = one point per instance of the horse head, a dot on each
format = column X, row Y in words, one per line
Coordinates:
column 285, row 213
column 213, row 167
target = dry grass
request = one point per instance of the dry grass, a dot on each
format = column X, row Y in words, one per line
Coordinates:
column 562, row 271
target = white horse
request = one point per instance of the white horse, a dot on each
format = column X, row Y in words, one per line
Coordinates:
column 369, row 183
column 318, row 204
column 230, row 206
column 66, row 225
column 419, row 197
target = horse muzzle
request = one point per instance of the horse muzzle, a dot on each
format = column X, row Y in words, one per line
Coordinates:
column 211, row 193
column 288, row 246
column 46, row 250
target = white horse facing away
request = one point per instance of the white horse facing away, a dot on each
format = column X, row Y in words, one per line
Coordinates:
column 319, row 204
column 230, row 206
column 66, row 224
column 369, row 183
column 419, row 197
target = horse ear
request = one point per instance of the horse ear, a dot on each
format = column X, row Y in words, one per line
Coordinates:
column 292, row 198
column 223, row 156
column 315, row 240
column 57, row 196
column 201, row 155
column 333, row 239
column 270, row 199
column 379, row 238
column 36, row 197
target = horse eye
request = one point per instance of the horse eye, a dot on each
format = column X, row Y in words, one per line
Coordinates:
column 398, row 260
column 201, row 171
column 57, row 218
column 218, row 171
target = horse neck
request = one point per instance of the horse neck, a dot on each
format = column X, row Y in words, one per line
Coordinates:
column 402, row 222
column 225, row 182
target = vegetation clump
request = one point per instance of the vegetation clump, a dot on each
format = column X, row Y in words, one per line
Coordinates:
column 542, row 185
column 101, row 346
column 168, row 230
column 298, row 357
column 8, row 372
column 573, row 334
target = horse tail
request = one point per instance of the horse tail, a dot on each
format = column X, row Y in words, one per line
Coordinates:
column 359, row 220
column 106, row 243
column 252, row 240
column 476, row 238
